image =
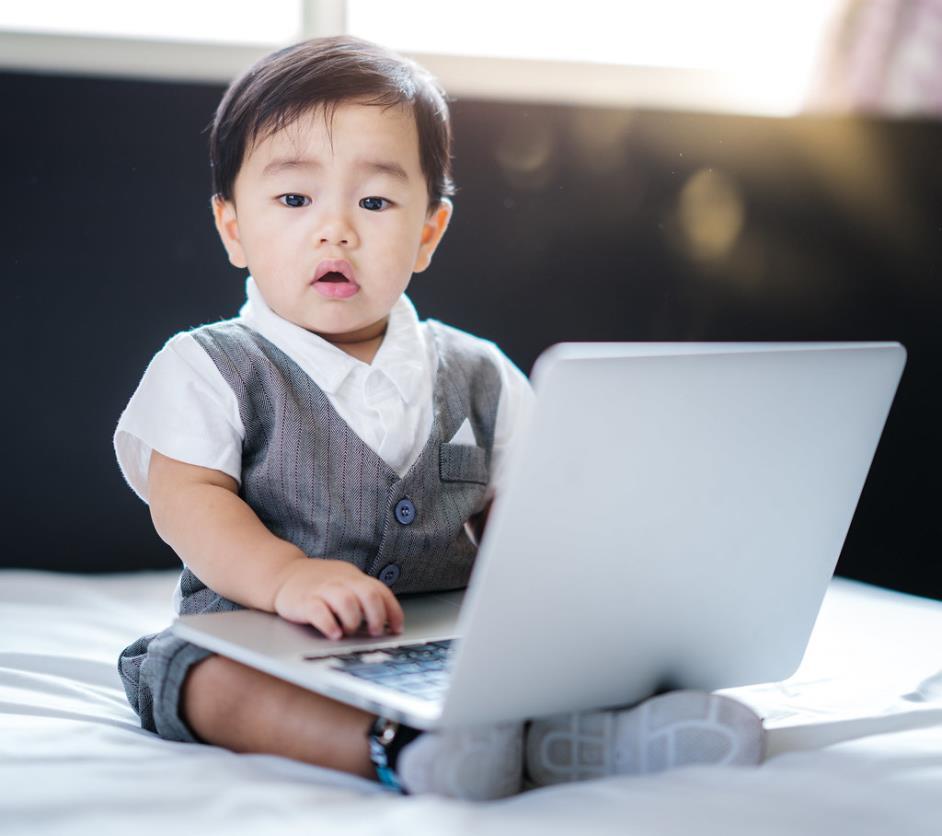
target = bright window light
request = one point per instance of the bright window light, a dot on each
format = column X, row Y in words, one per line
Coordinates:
column 212, row 21
column 772, row 46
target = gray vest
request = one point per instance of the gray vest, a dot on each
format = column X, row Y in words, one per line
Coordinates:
column 314, row 482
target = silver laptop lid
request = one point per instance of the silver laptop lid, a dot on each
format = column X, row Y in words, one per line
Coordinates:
column 672, row 518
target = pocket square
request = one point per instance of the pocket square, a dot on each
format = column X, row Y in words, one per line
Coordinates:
column 465, row 434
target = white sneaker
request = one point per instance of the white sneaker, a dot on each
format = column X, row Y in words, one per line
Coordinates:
column 478, row 764
column 675, row 729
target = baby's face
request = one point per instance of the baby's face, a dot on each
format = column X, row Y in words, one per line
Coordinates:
column 332, row 220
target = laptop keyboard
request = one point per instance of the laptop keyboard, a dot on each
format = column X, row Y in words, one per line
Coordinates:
column 415, row 669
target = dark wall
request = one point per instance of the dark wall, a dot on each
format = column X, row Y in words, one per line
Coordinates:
column 571, row 224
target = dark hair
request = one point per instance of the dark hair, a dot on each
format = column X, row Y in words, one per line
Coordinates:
column 283, row 86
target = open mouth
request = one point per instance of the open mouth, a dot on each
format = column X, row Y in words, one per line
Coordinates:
column 334, row 279
column 334, row 270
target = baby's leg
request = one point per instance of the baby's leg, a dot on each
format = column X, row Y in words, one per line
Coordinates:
column 242, row 709
column 245, row 710
column 183, row 692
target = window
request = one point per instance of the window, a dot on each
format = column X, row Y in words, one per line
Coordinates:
column 225, row 21
column 749, row 55
column 738, row 55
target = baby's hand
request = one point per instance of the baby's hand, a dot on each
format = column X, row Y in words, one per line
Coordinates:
column 336, row 598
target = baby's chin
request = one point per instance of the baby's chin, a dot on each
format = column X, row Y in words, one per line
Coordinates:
column 347, row 333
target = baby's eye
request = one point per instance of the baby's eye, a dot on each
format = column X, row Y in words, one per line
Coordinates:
column 374, row 204
column 295, row 201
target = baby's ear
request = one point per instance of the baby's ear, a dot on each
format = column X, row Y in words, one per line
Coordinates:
column 227, row 225
column 434, row 228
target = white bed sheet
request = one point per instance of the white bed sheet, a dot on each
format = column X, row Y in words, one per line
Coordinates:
column 855, row 741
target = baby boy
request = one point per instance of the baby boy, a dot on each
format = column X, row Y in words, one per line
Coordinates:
column 326, row 450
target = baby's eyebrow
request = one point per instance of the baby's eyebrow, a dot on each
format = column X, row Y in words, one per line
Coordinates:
column 393, row 169
column 280, row 164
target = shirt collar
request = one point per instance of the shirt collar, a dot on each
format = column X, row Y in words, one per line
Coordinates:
column 402, row 355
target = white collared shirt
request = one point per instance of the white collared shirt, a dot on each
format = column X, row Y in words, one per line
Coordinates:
column 184, row 408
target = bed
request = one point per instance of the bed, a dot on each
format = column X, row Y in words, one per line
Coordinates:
column 855, row 742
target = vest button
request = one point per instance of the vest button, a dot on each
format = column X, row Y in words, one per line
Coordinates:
column 405, row 511
column 389, row 574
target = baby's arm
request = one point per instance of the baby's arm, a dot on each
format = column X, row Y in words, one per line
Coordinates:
column 198, row 512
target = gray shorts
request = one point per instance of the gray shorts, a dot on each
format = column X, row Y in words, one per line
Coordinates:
column 154, row 668
column 152, row 671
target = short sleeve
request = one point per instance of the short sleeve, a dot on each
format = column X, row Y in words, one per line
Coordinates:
column 184, row 409
column 514, row 410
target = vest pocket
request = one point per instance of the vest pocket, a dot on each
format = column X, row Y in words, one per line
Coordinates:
column 462, row 463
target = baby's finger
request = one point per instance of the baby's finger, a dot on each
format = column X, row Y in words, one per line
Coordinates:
column 321, row 616
column 373, row 602
column 394, row 615
column 346, row 607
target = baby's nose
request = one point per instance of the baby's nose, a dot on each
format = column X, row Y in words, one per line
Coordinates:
column 335, row 232
column 335, row 229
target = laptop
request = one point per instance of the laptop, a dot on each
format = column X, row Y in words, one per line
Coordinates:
column 672, row 517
